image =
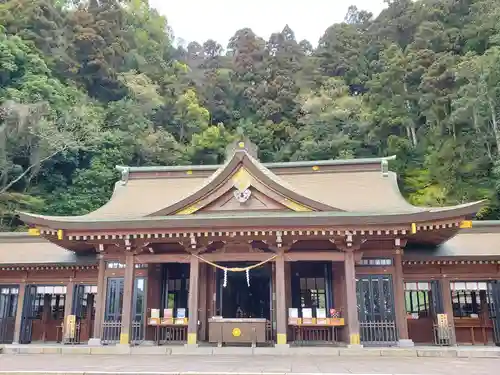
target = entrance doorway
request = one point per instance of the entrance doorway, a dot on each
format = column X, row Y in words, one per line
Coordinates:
column 376, row 310
column 8, row 309
column 242, row 299
column 43, row 313
column 111, row 328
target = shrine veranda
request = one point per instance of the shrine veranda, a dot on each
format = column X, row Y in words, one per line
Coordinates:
column 254, row 254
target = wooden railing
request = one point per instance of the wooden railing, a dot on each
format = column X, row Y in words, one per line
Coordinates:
column 313, row 335
column 171, row 334
column 270, row 337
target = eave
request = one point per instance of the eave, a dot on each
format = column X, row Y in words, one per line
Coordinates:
column 254, row 220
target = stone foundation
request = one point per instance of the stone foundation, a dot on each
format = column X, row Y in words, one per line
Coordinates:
column 424, row 351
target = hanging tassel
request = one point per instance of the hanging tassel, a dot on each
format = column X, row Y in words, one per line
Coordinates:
column 248, row 277
column 225, row 278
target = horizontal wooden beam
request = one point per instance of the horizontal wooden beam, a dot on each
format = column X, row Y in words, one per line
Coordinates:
column 162, row 258
column 294, row 256
column 297, row 256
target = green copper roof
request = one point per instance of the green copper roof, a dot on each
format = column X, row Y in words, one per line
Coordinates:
column 291, row 164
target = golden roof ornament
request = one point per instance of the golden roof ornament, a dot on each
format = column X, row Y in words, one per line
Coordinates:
column 242, row 143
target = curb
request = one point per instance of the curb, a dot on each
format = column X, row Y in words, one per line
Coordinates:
column 164, row 373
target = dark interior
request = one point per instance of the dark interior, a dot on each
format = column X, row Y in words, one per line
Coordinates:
column 238, row 300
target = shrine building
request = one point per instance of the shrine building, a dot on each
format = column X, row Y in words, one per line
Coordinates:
column 249, row 253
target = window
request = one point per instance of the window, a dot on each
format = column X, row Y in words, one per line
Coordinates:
column 177, row 289
column 86, row 300
column 117, row 265
column 114, row 265
column 51, row 297
column 57, row 302
column 470, row 299
column 376, row 262
column 51, row 290
column 114, row 299
column 38, row 306
column 312, row 293
column 8, row 302
column 375, row 298
column 139, row 299
column 418, row 298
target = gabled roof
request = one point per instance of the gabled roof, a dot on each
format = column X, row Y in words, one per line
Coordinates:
column 242, row 161
column 331, row 192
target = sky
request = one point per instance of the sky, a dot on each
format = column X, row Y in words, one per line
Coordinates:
column 219, row 19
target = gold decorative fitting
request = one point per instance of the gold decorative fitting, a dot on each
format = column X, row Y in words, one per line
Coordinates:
column 60, row 234
column 281, row 339
column 466, row 224
column 189, row 210
column 413, row 228
column 294, row 206
column 236, row 332
column 34, row 232
column 189, row 172
column 242, row 179
column 315, row 168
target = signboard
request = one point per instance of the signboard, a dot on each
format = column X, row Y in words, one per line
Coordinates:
column 70, row 327
column 293, row 316
column 442, row 320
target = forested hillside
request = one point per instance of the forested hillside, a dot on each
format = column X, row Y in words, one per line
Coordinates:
column 86, row 85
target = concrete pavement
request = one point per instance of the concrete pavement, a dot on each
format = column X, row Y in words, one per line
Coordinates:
column 47, row 364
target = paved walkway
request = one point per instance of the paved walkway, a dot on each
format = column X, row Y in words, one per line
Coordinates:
column 279, row 365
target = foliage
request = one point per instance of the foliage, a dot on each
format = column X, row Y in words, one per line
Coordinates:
column 86, row 85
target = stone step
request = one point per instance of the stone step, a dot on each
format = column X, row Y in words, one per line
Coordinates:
column 469, row 352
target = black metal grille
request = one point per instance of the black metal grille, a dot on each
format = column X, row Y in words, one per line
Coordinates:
column 111, row 330
column 378, row 333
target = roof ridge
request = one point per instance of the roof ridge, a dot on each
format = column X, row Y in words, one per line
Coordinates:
column 288, row 164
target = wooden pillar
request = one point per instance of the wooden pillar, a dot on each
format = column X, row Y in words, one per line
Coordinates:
column 68, row 306
column 352, row 305
column 128, row 294
column 19, row 313
column 153, row 293
column 194, row 275
column 100, row 302
column 281, row 320
column 47, row 299
column 288, row 284
column 399, row 300
column 203, row 318
column 444, row 284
